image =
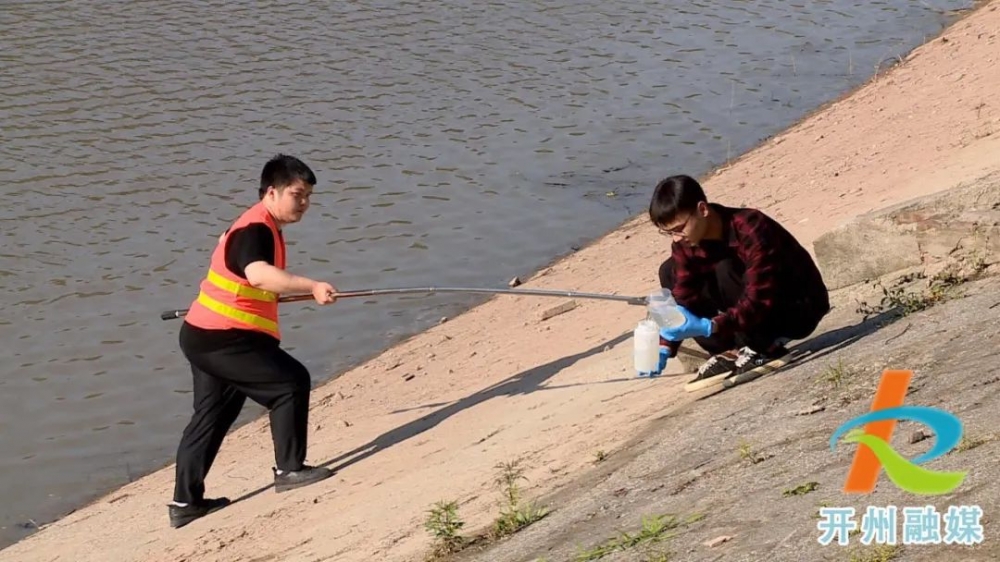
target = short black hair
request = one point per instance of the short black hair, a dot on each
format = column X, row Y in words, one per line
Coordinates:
column 673, row 195
column 282, row 171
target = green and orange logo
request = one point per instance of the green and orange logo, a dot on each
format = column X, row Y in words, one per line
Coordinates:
column 874, row 452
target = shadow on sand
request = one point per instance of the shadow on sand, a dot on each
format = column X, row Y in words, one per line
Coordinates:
column 523, row 383
column 532, row 380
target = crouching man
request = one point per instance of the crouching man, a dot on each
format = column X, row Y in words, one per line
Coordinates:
column 744, row 284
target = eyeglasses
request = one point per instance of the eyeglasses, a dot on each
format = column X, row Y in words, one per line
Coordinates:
column 677, row 230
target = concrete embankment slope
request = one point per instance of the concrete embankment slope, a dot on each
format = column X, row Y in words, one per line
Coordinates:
column 749, row 469
column 430, row 419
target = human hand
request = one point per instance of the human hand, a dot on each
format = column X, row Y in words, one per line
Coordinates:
column 324, row 293
column 692, row 326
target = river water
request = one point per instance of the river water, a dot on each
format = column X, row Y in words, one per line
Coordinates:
column 456, row 143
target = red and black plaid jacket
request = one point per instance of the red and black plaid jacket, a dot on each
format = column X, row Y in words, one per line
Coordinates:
column 779, row 271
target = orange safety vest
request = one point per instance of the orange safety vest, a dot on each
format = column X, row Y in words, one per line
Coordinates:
column 227, row 301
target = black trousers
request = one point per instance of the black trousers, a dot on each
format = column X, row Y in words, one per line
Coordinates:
column 792, row 319
column 227, row 368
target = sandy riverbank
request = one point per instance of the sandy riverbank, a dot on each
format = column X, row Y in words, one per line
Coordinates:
column 498, row 384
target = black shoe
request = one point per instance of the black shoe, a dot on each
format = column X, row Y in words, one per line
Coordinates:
column 760, row 362
column 298, row 478
column 715, row 365
column 180, row 516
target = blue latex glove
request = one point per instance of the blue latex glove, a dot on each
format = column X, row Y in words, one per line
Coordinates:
column 693, row 326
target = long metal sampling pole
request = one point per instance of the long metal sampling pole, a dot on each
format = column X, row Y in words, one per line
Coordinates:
column 638, row 301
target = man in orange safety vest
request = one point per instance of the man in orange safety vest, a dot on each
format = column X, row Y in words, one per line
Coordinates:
column 232, row 339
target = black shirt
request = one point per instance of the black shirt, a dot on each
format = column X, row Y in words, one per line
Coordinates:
column 244, row 246
column 249, row 244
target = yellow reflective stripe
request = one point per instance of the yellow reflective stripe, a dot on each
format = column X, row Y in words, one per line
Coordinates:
column 230, row 312
column 240, row 290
